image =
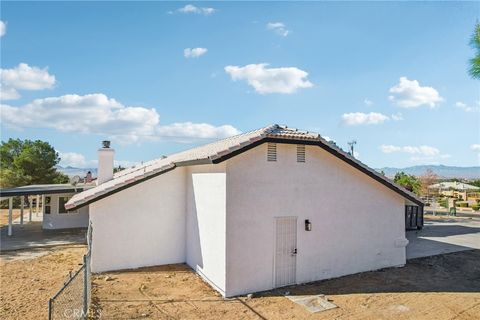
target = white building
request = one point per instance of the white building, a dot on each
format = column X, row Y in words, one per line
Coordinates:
column 48, row 200
column 264, row 209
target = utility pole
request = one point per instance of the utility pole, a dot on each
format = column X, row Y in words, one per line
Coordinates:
column 352, row 144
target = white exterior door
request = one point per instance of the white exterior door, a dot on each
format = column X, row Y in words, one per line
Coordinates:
column 285, row 251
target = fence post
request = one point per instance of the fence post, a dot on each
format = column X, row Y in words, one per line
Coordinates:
column 50, row 309
column 85, row 287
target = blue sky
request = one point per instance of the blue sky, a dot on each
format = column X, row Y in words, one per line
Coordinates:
column 391, row 75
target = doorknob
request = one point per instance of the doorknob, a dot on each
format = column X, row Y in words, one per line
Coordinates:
column 294, row 252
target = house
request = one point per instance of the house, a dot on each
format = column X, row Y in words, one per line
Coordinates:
column 49, row 200
column 264, row 209
column 455, row 189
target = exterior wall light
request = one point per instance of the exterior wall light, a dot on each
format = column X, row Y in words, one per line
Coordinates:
column 308, row 225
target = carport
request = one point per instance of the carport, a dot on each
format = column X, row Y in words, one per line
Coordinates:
column 38, row 192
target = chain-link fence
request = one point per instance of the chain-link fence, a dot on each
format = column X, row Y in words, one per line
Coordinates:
column 72, row 301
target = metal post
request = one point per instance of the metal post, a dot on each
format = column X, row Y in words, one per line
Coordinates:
column 85, row 287
column 22, row 203
column 10, row 218
column 38, row 205
column 30, row 209
column 43, row 204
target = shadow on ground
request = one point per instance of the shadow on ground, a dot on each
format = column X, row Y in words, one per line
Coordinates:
column 32, row 235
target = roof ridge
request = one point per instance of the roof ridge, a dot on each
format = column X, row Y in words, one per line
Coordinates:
column 221, row 150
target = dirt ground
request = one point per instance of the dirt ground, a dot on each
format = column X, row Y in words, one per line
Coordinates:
column 4, row 215
column 26, row 284
column 439, row 287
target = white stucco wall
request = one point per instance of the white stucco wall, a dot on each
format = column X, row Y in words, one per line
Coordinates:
column 356, row 221
column 205, row 230
column 56, row 220
column 143, row 225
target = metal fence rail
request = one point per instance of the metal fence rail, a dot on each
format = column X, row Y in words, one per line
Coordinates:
column 72, row 301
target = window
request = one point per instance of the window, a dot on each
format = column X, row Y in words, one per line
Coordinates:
column 47, row 209
column 61, row 205
column 272, row 152
column 300, row 153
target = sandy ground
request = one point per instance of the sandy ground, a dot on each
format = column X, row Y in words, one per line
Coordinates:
column 439, row 287
column 29, row 279
column 4, row 215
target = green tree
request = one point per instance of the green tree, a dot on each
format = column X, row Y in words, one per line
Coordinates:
column 408, row 181
column 474, row 70
column 475, row 182
column 28, row 162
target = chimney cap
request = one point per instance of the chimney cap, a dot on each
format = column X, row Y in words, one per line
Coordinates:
column 106, row 144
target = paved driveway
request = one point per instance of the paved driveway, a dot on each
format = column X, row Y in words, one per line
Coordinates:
column 443, row 235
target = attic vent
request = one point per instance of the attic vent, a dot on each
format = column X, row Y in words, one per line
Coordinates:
column 300, row 153
column 272, row 152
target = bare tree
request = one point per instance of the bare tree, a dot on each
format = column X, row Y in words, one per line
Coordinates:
column 427, row 179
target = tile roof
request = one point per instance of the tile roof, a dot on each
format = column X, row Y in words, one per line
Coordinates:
column 218, row 151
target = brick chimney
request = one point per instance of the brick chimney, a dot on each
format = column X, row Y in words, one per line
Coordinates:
column 105, row 163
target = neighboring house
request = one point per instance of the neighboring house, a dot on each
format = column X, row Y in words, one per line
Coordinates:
column 50, row 199
column 264, row 209
column 461, row 190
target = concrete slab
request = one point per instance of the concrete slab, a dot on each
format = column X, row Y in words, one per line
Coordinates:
column 313, row 303
column 444, row 236
column 31, row 235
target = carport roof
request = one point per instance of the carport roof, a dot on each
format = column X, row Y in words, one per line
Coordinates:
column 222, row 150
column 42, row 189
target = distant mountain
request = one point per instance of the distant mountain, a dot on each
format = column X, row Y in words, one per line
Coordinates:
column 441, row 170
column 81, row 172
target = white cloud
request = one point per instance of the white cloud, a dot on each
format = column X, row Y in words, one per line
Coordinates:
column 194, row 52
column 7, row 93
column 368, row 102
column 77, row 160
column 3, row 28
column 197, row 130
column 422, row 150
column 424, row 154
column 191, row 9
column 270, row 80
column 409, row 94
column 360, row 118
column 467, row 108
column 24, row 77
column 397, row 117
column 99, row 114
column 279, row 28
column 475, row 147
column 72, row 159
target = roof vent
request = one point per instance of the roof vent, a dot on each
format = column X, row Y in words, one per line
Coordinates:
column 272, row 152
column 300, row 153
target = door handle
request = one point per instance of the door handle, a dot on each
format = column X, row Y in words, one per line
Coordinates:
column 294, row 252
